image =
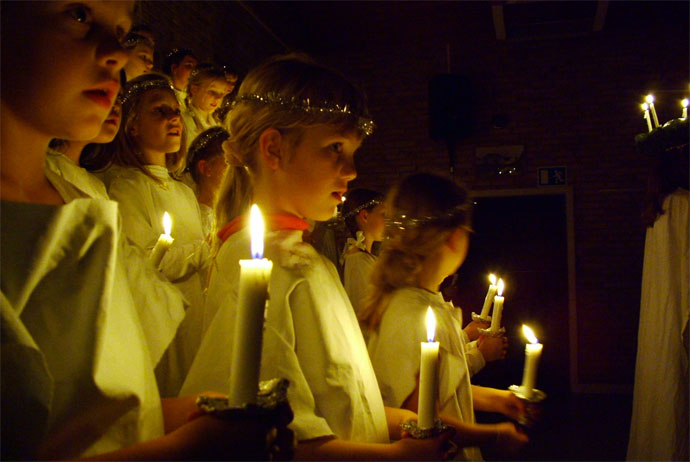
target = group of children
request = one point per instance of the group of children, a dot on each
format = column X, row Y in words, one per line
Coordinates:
column 104, row 354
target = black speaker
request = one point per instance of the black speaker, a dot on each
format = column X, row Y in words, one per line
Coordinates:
column 450, row 107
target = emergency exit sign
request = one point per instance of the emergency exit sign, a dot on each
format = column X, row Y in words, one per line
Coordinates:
column 552, row 176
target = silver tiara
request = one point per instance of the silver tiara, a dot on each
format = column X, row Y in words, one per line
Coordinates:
column 138, row 87
column 365, row 206
column 305, row 105
column 200, row 143
column 402, row 221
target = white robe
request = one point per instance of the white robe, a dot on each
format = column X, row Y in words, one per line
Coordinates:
column 208, row 219
column 357, row 273
column 659, row 427
column 159, row 303
column 311, row 337
column 143, row 202
column 195, row 123
column 395, row 354
column 76, row 371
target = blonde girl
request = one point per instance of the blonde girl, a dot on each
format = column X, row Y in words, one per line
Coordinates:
column 294, row 130
column 142, row 180
column 206, row 88
column 364, row 214
column 426, row 241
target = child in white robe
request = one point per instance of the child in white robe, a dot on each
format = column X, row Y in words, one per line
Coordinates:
column 77, row 378
column 205, row 90
column 295, row 127
column 149, row 140
column 426, row 241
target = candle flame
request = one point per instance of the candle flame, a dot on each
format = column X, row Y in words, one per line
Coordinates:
column 529, row 334
column 501, row 286
column 650, row 99
column 430, row 325
column 343, row 198
column 645, row 107
column 492, row 279
column 256, row 228
column 167, row 223
column 685, row 102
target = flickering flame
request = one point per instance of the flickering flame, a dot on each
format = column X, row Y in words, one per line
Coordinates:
column 492, row 279
column 256, row 229
column 529, row 334
column 645, row 107
column 167, row 223
column 501, row 286
column 650, row 99
column 685, row 102
column 430, row 325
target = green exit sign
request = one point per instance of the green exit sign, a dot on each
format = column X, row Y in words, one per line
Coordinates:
column 552, row 176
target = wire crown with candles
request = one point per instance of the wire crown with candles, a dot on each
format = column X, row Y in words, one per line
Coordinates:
column 669, row 136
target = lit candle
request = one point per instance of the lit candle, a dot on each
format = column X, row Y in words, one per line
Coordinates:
column 489, row 296
column 163, row 243
column 645, row 108
column 251, row 304
column 650, row 101
column 428, row 375
column 532, row 354
column 498, row 307
column 684, row 103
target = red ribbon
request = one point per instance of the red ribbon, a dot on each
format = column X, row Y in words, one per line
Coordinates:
column 274, row 222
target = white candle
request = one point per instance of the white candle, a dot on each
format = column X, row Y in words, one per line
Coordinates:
column 532, row 354
column 650, row 101
column 251, row 304
column 428, row 375
column 645, row 108
column 163, row 243
column 684, row 103
column 489, row 296
column 498, row 307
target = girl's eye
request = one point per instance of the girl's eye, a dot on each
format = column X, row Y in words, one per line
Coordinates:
column 337, row 147
column 80, row 14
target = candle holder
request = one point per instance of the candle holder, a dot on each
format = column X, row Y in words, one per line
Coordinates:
column 532, row 405
column 492, row 333
column 422, row 433
column 480, row 318
column 272, row 395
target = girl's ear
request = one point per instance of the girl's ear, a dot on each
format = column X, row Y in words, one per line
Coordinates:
column 193, row 89
column 134, row 128
column 271, row 147
column 456, row 240
column 202, row 167
column 364, row 215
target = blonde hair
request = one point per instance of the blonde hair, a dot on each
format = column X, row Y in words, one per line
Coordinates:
column 127, row 152
column 292, row 77
column 424, row 209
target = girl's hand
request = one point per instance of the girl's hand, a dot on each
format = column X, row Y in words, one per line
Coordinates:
column 510, row 405
column 472, row 331
column 509, row 440
column 493, row 348
column 438, row 448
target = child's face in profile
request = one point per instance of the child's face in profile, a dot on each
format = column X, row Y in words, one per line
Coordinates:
column 140, row 61
column 61, row 64
column 314, row 176
column 110, row 126
column 376, row 222
column 180, row 72
column 207, row 97
column 157, row 127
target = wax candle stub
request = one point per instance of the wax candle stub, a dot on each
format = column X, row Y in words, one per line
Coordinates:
column 428, row 375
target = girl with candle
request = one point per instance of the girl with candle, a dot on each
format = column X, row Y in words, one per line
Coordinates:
column 149, row 145
column 364, row 214
column 294, row 130
column 427, row 238
column 77, row 377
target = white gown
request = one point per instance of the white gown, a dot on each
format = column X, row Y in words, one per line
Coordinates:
column 311, row 337
column 358, row 266
column 76, row 371
column 659, row 427
column 195, row 123
column 159, row 303
column 142, row 203
column 395, row 354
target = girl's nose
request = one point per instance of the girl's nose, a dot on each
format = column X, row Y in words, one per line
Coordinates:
column 349, row 172
column 110, row 53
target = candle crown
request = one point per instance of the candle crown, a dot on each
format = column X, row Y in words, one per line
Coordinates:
column 256, row 227
column 529, row 334
column 430, row 325
column 167, row 223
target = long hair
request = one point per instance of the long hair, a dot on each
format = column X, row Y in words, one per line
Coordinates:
column 423, row 210
column 128, row 152
column 293, row 78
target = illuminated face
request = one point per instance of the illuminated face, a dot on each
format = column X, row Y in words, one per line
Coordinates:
column 180, row 72
column 157, row 127
column 110, row 126
column 313, row 177
column 214, row 171
column 62, row 76
column 376, row 222
column 208, row 96
column 140, row 61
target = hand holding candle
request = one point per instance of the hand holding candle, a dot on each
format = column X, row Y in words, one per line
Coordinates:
column 251, row 304
column 532, row 355
column 489, row 296
column 164, row 242
column 428, row 376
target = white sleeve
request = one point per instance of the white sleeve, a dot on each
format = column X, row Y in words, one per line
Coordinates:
column 475, row 358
